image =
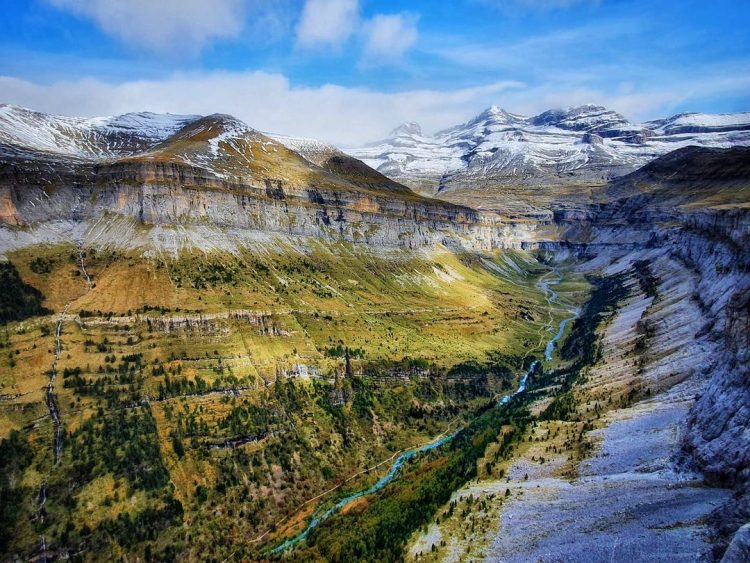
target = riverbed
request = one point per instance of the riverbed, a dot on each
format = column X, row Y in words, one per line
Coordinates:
column 551, row 297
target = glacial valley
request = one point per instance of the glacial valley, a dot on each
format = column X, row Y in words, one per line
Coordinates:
column 225, row 345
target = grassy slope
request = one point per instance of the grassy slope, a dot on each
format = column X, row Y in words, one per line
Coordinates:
column 693, row 178
column 251, row 155
column 378, row 528
column 442, row 309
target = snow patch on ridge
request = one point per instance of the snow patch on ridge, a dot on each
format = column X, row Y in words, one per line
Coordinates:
column 93, row 138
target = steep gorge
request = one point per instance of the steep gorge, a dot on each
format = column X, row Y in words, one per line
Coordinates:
column 687, row 215
column 211, row 189
column 661, row 471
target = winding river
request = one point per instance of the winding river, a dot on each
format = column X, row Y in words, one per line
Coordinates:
column 551, row 297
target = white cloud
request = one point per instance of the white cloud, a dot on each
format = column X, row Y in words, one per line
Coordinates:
column 353, row 116
column 327, row 23
column 268, row 102
column 163, row 26
column 390, row 35
column 331, row 23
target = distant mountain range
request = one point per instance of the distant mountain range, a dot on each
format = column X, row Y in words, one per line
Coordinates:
column 588, row 144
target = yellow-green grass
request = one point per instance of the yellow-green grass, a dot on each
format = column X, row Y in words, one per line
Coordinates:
column 293, row 306
column 441, row 307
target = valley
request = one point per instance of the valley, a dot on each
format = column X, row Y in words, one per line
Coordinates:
column 600, row 479
column 218, row 345
column 325, row 359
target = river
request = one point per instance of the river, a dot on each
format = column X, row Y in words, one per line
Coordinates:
column 551, row 297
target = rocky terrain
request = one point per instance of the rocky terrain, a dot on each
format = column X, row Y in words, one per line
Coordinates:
column 691, row 207
column 667, row 476
column 268, row 320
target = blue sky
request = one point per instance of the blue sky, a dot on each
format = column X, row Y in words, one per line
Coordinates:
column 349, row 70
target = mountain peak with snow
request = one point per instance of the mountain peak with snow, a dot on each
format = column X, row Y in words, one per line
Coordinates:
column 496, row 114
column 88, row 138
column 213, row 148
column 587, row 117
column 406, row 129
column 580, row 144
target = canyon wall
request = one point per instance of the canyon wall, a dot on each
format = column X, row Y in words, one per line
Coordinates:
column 713, row 248
column 177, row 196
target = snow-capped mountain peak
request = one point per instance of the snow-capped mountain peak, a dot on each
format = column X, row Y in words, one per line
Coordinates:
column 147, row 124
column 581, row 144
column 408, row 128
column 493, row 116
column 497, row 114
column 85, row 137
column 587, row 117
column 702, row 123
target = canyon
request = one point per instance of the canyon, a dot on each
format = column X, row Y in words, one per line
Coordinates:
column 164, row 237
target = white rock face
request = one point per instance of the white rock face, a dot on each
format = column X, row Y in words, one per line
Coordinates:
column 583, row 144
column 739, row 549
column 702, row 334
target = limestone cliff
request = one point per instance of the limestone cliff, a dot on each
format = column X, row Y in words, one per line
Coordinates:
column 216, row 172
column 691, row 206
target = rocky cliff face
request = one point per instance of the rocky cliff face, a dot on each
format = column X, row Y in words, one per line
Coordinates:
column 692, row 215
column 167, row 195
column 214, row 173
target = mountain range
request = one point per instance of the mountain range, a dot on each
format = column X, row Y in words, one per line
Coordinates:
column 498, row 151
column 522, row 338
column 212, row 173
